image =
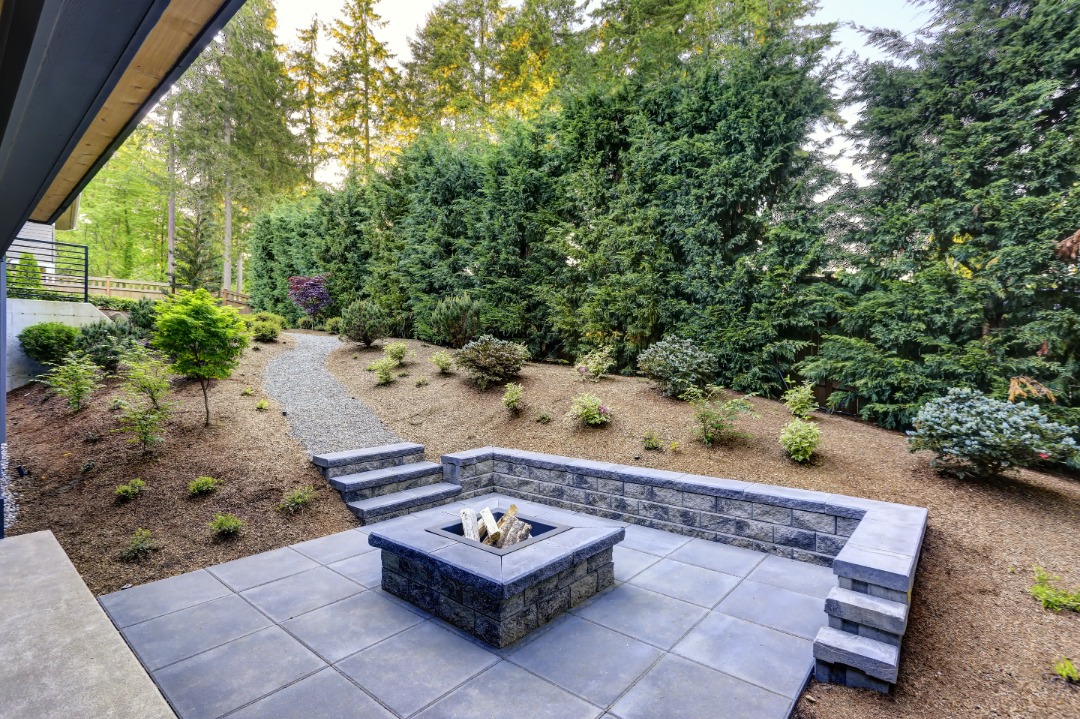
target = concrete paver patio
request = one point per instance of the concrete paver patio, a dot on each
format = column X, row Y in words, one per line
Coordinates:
column 692, row 629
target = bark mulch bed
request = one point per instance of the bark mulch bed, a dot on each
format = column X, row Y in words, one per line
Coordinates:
column 76, row 461
column 977, row 646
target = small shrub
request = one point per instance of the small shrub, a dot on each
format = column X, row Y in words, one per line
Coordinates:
column 333, row 325
column 514, row 397
column 310, row 294
column 247, row 392
column 305, row 323
column 141, row 544
column 264, row 316
column 800, row 439
column 590, row 410
column 129, row 490
column 298, row 499
column 543, row 418
column 48, row 342
column 674, row 447
column 117, row 403
column 592, row 366
column 364, row 321
column 262, row 405
column 396, row 351
column 488, row 360
column 106, row 342
column 144, row 376
column 800, row 400
column 142, row 317
column 677, row 365
column 973, row 434
column 652, row 442
column 422, row 382
column 1050, row 596
column 265, row 331
column 714, row 418
column 455, row 321
column 74, row 380
column 146, row 422
column 444, row 361
column 1067, row 671
column 384, row 370
column 88, row 466
column 226, row 525
column 202, row 485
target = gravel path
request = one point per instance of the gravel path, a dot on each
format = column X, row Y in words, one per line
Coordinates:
column 322, row 414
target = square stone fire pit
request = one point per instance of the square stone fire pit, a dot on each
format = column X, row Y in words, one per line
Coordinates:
column 497, row 595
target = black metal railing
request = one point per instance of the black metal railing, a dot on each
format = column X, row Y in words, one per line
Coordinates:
column 47, row 270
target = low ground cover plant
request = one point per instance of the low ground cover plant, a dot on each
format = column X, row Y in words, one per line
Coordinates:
column 514, row 397
column 589, row 410
column 1053, row 597
column 1065, row 669
column 262, row 405
column 226, row 525
column 455, row 321
column 714, row 417
column 129, row 490
column 298, row 499
column 202, row 485
column 652, row 442
column 677, row 365
column 488, row 360
column 800, row 400
column 800, row 439
column 364, row 321
column 141, row 544
column 74, row 379
column 444, row 361
column 593, row 365
column 48, row 342
column 971, row 434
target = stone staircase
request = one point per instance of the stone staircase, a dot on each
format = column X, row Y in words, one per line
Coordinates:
column 384, row 482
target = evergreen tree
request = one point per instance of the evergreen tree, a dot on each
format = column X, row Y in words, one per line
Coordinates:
column 309, row 73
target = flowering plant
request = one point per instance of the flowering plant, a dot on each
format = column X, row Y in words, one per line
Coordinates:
column 310, row 294
column 589, row 410
column 593, row 365
column 974, row 434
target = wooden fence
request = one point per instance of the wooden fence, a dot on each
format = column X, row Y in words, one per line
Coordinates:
column 137, row 289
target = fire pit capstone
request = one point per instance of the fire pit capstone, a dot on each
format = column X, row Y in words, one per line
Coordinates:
column 497, row 595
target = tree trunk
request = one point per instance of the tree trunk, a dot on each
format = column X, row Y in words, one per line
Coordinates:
column 240, row 271
column 171, row 237
column 205, row 384
column 226, row 281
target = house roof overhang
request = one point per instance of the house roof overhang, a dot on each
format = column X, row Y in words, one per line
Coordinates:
column 76, row 78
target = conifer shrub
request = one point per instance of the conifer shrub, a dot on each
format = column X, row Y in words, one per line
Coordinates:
column 444, row 361
column 129, row 490
column 396, row 351
column 455, row 321
column 106, row 341
column 142, row 317
column 263, row 331
column 226, row 525
column 305, row 323
column 677, row 365
column 972, row 434
column 202, row 485
column 333, row 325
column 141, row 544
column 74, row 379
column 800, row 439
column 298, row 499
column 384, row 370
column 48, row 342
column 364, row 321
column 487, row 360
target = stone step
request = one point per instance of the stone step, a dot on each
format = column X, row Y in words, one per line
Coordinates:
column 376, row 482
column 388, row 505
column 873, row 658
column 867, row 615
column 339, row 464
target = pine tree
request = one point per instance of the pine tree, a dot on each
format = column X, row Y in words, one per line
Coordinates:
column 360, row 84
column 309, row 73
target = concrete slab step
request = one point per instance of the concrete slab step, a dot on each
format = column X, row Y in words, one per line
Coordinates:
column 337, row 464
column 882, row 614
column 876, row 659
column 387, row 505
column 376, row 482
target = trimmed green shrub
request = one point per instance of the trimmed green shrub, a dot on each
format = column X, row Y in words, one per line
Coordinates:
column 106, row 341
column 397, row 351
column 333, row 325
column 305, row 323
column 677, row 365
column 488, row 360
column 444, row 361
column 75, row 379
column 104, row 302
column 543, row 418
column 455, row 321
column 202, row 485
column 263, row 331
column 129, row 490
column 514, row 397
column 800, row 439
column 226, row 525
column 714, row 419
column 298, row 499
column 592, row 366
column 589, row 410
column 384, row 370
column 142, row 316
column 48, row 342
column 364, row 321
column 268, row 317
column 800, row 400
column 972, row 434
column 141, row 544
